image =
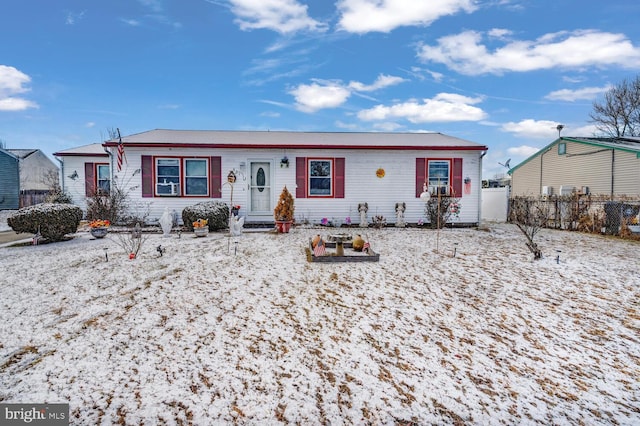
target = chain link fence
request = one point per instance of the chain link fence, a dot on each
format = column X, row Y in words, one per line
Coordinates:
column 587, row 213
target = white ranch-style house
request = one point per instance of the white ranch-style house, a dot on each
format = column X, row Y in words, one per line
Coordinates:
column 329, row 174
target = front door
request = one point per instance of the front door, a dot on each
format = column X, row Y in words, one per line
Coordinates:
column 260, row 188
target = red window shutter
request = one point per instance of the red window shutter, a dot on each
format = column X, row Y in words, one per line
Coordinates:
column 147, row 176
column 215, row 164
column 456, row 183
column 301, row 177
column 89, row 179
column 421, row 175
column 338, row 163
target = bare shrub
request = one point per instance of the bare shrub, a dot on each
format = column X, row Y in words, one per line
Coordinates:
column 530, row 215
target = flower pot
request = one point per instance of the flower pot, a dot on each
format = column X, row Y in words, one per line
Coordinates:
column 99, row 232
column 634, row 228
column 201, row 232
column 283, row 226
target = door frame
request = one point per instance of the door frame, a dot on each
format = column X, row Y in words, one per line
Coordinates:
column 266, row 215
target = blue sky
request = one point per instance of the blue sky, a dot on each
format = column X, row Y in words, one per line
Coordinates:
column 503, row 73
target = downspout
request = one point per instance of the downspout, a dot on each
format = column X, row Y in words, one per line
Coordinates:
column 613, row 161
column 480, row 183
column 61, row 174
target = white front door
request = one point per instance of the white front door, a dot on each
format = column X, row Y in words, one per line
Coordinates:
column 260, row 188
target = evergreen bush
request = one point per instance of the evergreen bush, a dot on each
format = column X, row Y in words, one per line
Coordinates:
column 216, row 212
column 52, row 220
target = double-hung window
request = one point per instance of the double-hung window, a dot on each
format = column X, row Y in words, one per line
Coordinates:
column 168, row 176
column 195, row 177
column 103, row 179
column 320, row 178
column 182, row 176
column 439, row 176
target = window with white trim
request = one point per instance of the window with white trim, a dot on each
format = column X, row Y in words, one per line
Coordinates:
column 182, row 177
column 439, row 176
column 103, row 178
column 196, row 177
column 167, row 176
column 320, row 178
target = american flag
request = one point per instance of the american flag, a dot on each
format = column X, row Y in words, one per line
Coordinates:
column 319, row 249
column 120, row 157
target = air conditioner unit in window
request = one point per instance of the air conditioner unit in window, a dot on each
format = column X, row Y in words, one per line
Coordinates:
column 167, row 189
column 547, row 190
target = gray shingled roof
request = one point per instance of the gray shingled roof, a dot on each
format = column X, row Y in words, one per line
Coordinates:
column 284, row 139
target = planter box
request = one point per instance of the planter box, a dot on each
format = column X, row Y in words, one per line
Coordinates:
column 369, row 256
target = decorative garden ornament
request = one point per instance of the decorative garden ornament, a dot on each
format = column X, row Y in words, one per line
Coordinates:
column 166, row 222
column 236, row 225
column 400, row 208
column 363, row 208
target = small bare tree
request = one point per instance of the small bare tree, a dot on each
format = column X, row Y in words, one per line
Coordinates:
column 530, row 215
column 618, row 114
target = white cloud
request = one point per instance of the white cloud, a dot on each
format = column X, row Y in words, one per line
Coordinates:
column 529, row 128
column 522, row 151
column 283, row 16
column 313, row 97
column 130, row 22
column 586, row 93
column 155, row 5
column 387, row 126
column 444, row 107
column 270, row 114
column 73, row 17
column 500, row 33
column 381, row 82
column 16, row 104
column 90, row 124
column 466, row 54
column 13, row 82
column 331, row 94
column 362, row 16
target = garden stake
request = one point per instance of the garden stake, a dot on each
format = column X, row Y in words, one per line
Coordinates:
column 558, row 256
column 106, row 255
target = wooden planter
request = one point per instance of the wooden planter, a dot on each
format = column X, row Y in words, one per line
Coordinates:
column 368, row 256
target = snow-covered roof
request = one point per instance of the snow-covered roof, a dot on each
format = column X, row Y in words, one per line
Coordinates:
column 91, row 149
column 279, row 139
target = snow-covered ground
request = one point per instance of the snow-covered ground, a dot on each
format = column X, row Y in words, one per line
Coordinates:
column 215, row 332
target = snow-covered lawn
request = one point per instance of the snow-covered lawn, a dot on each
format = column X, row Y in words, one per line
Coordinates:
column 214, row 333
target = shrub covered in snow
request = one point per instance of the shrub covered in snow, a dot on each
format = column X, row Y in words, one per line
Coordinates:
column 58, row 196
column 216, row 212
column 52, row 220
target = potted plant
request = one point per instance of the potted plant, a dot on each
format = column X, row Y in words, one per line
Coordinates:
column 283, row 213
column 99, row 228
column 201, row 227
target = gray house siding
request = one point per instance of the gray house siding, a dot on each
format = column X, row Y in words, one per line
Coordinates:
column 9, row 181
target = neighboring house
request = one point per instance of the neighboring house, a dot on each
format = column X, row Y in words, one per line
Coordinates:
column 9, row 181
column 599, row 166
column 37, row 175
column 328, row 173
column 83, row 169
